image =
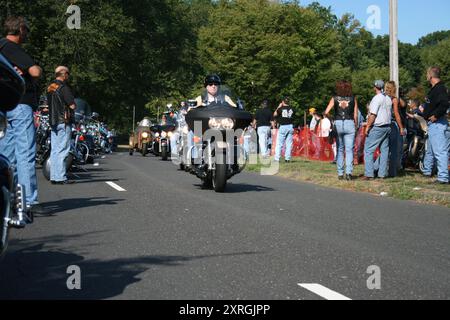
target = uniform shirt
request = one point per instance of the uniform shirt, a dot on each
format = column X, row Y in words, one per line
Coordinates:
column 17, row 56
column 285, row 116
column 381, row 106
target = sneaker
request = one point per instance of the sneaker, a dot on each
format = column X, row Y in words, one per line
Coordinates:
column 287, row 161
column 349, row 177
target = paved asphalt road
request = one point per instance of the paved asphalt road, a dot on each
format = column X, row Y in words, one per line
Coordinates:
column 166, row 238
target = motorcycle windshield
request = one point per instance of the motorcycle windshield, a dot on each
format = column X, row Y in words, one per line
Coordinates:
column 218, row 103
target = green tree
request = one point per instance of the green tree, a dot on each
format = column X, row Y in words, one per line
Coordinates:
column 438, row 55
column 264, row 49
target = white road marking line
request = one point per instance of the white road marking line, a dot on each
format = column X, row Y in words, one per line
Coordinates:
column 115, row 186
column 323, row 291
column 96, row 164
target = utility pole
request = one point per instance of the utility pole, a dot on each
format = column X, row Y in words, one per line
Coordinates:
column 134, row 117
column 393, row 32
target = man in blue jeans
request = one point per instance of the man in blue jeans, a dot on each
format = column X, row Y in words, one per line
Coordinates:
column 61, row 108
column 435, row 112
column 285, row 117
column 19, row 145
column 263, row 119
column 377, row 131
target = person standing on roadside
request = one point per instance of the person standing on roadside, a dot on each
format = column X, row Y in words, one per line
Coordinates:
column 61, row 107
column 285, row 117
column 435, row 112
column 398, row 131
column 19, row 145
column 377, row 132
column 263, row 118
column 346, row 109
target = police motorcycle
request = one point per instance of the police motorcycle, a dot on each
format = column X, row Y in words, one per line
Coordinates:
column 219, row 156
column 162, row 134
column 13, row 210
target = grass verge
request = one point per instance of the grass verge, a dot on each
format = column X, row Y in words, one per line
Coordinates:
column 410, row 186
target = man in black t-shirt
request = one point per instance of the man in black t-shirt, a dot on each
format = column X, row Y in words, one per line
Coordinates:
column 61, row 104
column 435, row 112
column 285, row 117
column 19, row 144
column 263, row 118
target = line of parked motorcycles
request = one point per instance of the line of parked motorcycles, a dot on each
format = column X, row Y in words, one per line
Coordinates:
column 90, row 139
column 205, row 142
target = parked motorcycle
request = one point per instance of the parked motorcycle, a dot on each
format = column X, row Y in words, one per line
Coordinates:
column 13, row 210
column 220, row 154
column 417, row 142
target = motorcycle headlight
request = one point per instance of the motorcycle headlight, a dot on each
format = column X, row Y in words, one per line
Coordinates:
column 145, row 135
column 170, row 134
column 163, row 134
column 3, row 125
column 157, row 135
column 221, row 123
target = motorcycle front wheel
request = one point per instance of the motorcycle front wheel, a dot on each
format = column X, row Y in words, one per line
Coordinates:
column 46, row 168
column 47, row 165
column 219, row 178
column 164, row 153
column 4, row 228
column 144, row 149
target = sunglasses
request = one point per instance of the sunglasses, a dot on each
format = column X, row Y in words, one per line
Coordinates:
column 213, row 84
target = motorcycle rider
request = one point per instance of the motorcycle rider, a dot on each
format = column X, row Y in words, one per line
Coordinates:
column 62, row 108
column 213, row 85
column 180, row 120
column 435, row 112
column 213, row 94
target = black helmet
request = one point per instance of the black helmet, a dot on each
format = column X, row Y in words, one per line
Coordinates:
column 213, row 79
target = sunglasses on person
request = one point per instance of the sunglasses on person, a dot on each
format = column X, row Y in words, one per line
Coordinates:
column 213, row 84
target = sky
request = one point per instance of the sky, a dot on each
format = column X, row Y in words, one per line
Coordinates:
column 416, row 18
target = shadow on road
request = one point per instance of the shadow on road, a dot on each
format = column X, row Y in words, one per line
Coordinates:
column 241, row 188
column 39, row 271
column 59, row 206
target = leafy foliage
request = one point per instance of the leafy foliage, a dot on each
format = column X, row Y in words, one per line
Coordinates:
column 148, row 53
